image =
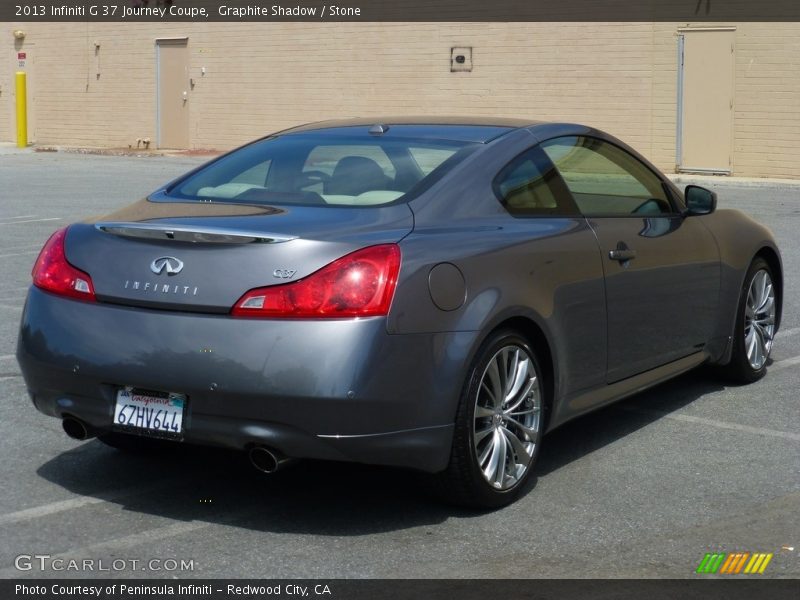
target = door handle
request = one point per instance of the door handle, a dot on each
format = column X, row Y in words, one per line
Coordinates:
column 622, row 254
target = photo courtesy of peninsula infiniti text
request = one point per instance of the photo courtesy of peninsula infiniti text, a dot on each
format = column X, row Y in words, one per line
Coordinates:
column 434, row 294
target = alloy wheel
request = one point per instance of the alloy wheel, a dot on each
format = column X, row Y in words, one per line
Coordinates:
column 508, row 408
column 759, row 319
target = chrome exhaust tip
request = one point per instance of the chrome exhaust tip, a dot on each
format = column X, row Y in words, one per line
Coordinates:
column 265, row 460
column 76, row 429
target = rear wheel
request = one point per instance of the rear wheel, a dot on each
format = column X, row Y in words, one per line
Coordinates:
column 498, row 427
column 755, row 324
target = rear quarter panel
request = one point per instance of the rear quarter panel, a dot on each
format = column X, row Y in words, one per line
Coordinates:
column 544, row 269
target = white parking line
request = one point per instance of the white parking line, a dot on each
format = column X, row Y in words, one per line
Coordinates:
column 786, row 435
column 49, row 509
column 53, row 508
column 9, row 377
column 779, row 365
column 31, row 221
column 782, row 334
column 143, row 538
column 121, row 543
column 19, row 217
column 18, row 253
column 7, row 356
column 24, row 247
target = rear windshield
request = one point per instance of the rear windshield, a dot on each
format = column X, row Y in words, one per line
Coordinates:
column 324, row 170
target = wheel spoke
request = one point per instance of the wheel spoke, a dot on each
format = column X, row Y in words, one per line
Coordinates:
column 765, row 332
column 749, row 312
column 528, row 431
column 520, row 376
column 758, row 349
column 500, row 472
column 531, row 411
column 766, row 305
column 750, row 340
column 484, row 455
column 480, row 435
column 761, row 287
column 490, row 472
column 490, row 393
column 481, row 412
column 502, row 371
column 522, row 396
column 521, row 453
column 493, row 373
column 765, row 322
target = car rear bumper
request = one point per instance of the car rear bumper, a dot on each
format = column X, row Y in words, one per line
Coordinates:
column 338, row 389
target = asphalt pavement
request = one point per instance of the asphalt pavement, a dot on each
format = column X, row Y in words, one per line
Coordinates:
column 641, row 489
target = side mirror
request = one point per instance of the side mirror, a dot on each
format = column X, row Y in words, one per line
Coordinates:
column 699, row 200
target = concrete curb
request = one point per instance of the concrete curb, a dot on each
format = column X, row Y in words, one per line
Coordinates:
column 11, row 148
column 726, row 180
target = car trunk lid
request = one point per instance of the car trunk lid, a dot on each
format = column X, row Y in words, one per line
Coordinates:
column 204, row 256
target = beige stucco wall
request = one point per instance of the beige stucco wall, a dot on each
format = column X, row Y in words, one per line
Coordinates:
column 621, row 77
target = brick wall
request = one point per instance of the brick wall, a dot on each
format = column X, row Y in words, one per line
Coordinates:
column 620, row 77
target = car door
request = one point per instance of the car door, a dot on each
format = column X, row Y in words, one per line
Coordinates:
column 661, row 269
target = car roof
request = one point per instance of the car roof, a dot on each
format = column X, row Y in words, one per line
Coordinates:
column 468, row 129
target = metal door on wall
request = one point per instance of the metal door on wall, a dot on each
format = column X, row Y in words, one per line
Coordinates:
column 172, row 59
column 705, row 100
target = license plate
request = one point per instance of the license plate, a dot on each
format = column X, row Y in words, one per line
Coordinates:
column 157, row 414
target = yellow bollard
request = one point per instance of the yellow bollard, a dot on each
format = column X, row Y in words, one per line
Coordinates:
column 22, row 111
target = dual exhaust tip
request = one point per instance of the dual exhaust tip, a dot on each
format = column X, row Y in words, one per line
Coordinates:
column 262, row 458
column 266, row 460
column 77, row 429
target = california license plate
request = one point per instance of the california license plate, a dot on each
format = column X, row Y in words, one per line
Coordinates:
column 157, row 414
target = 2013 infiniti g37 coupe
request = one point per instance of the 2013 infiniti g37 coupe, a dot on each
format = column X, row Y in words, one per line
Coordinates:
column 432, row 294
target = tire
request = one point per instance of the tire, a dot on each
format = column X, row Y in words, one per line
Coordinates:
column 495, row 447
column 134, row 444
column 754, row 329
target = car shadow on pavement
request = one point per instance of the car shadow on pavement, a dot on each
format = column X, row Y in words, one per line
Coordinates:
column 595, row 430
column 326, row 498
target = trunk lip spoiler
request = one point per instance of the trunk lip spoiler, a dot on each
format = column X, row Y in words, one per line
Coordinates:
column 190, row 233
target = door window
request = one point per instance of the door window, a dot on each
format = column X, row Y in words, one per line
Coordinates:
column 606, row 180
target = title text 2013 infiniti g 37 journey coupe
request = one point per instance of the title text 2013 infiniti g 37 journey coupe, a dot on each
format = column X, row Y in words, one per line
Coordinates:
column 432, row 294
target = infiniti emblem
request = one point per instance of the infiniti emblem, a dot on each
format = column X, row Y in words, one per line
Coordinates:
column 170, row 264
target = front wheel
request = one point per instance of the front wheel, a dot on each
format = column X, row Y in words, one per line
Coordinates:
column 498, row 427
column 755, row 324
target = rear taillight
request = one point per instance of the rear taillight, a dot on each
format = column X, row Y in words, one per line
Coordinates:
column 53, row 273
column 360, row 284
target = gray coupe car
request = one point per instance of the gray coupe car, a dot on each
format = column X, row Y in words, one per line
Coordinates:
column 426, row 293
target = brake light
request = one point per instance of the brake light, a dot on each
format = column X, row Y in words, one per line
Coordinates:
column 360, row 284
column 53, row 273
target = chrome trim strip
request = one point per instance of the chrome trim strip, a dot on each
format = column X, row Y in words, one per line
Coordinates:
column 188, row 233
column 337, row 436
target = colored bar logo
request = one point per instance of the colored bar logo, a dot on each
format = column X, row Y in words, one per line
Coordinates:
column 734, row 563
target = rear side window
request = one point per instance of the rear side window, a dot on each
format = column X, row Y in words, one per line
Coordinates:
column 605, row 179
column 529, row 185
